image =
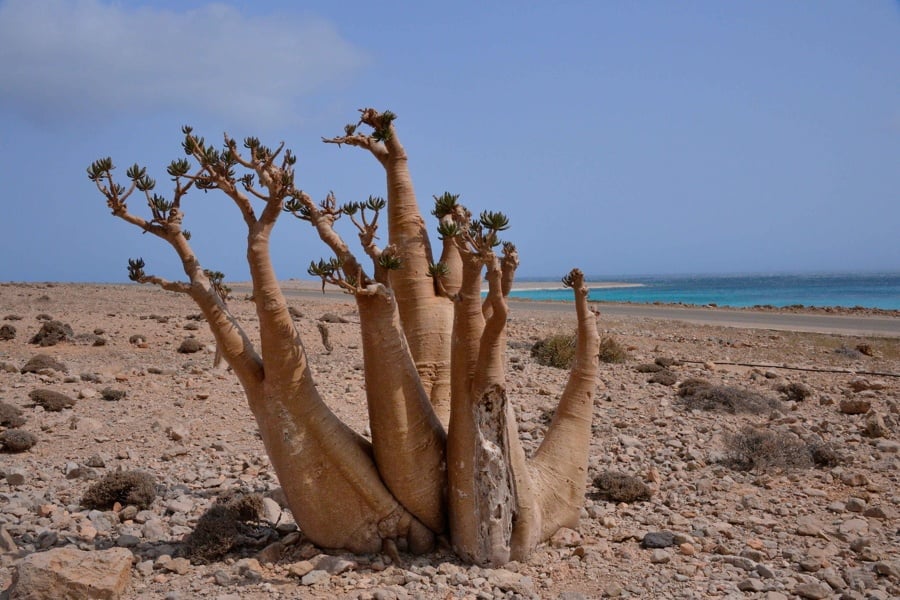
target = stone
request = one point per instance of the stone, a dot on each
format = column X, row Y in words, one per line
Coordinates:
column 509, row 581
column 565, row 538
column 7, row 543
column 660, row 556
column 658, row 539
column 812, row 591
column 751, row 585
column 314, row 577
column 875, row 427
column 854, row 406
column 809, row 525
column 72, row 574
column 333, row 565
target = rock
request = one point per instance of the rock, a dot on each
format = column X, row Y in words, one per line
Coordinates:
column 658, row 539
column 875, row 427
column 72, row 574
column 812, row 591
column 333, row 565
column 855, row 406
column 509, row 581
column 7, row 543
column 314, row 577
column 854, row 479
column 565, row 538
column 751, row 585
column 809, row 525
column 660, row 556
column 889, row 569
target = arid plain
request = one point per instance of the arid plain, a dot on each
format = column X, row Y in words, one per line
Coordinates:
column 717, row 529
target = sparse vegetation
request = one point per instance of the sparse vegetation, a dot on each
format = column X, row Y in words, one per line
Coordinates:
column 554, row 351
column 648, row 368
column 224, row 526
column 699, row 394
column 611, row 351
column 112, row 394
column 51, row 400
column 664, row 377
column 136, row 488
column 795, row 392
column 614, row 486
column 11, row 416
column 755, row 449
column 17, row 440
column 7, row 332
column 41, row 362
column 52, row 333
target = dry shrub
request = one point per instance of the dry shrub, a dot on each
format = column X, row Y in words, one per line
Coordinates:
column 226, row 525
column 795, row 392
column 612, row 351
column 11, row 416
column 648, row 368
column 17, row 440
column 112, row 394
column 753, row 449
column 614, row 486
column 824, row 454
column 52, row 333
column 41, row 362
column 699, row 394
column 664, row 377
column 51, row 400
column 125, row 487
column 555, row 351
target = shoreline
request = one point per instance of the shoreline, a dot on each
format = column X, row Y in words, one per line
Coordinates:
column 831, row 320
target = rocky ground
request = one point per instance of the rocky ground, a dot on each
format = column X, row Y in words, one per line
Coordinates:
column 781, row 529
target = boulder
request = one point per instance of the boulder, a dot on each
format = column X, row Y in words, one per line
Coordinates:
column 73, row 574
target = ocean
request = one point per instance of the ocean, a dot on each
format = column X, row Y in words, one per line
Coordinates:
column 870, row 290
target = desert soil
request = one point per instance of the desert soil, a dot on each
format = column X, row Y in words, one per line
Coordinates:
column 812, row 532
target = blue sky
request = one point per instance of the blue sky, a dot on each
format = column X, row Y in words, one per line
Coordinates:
column 624, row 138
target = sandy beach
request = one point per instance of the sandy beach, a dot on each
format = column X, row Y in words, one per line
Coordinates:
column 768, row 532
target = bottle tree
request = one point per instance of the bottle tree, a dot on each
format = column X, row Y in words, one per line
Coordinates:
column 444, row 457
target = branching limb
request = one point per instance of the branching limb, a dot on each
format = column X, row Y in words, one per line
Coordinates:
column 559, row 466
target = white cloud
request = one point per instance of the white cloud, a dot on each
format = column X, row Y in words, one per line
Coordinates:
column 64, row 60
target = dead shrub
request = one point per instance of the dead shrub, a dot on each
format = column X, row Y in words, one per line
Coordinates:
column 190, row 346
column 227, row 524
column 41, row 362
column 753, row 449
column 7, row 332
column 137, row 488
column 614, row 486
column 664, row 377
column 648, row 368
column 795, row 392
column 10, row 415
column 699, row 394
column 112, row 394
column 612, row 351
column 824, row 454
column 51, row 400
column 555, row 351
column 52, row 333
column 17, row 440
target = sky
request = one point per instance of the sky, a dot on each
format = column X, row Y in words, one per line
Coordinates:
column 624, row 138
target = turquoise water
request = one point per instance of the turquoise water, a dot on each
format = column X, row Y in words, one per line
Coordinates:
column 877, row 290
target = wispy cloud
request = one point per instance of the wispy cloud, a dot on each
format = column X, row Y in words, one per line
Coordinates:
column 87, row 59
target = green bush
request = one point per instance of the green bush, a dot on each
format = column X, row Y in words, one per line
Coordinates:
column 555, row 351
